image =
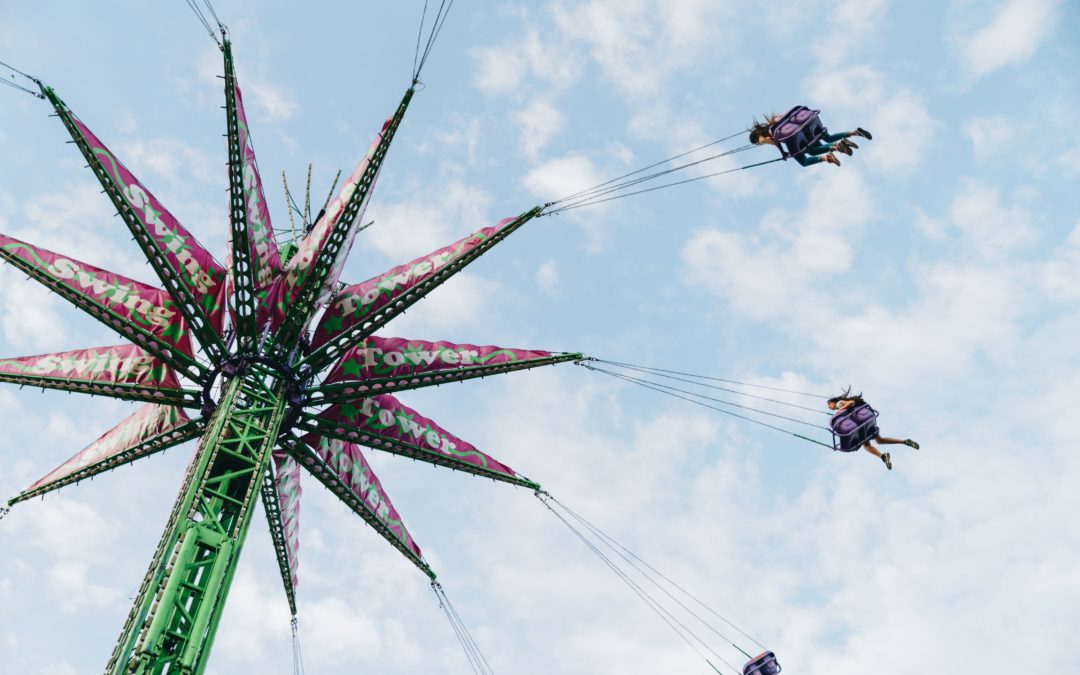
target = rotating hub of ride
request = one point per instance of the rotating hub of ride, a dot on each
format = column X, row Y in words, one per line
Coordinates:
column 296, row 380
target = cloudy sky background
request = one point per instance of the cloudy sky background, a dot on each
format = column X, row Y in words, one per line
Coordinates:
column 938, row 271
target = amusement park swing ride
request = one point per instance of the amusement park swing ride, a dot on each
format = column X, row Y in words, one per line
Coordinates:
column 277, row 370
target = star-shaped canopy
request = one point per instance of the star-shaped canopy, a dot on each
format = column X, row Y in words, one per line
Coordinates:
column 208, row 321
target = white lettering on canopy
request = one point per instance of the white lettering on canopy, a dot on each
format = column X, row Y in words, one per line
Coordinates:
column 174, row 243
column 408, row 426
column 111, row 292
column 369, row 357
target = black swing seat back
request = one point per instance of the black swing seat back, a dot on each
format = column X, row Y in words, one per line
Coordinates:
column 854, row 426
column 797, row 130
column 764, row 663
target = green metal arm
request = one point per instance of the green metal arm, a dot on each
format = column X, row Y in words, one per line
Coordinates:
column 325, row 474
column 323, row 356
column 333, row 429
column 350, row 390
column 243, row 267
column 304, row 305
column 272, row 508
column 184, row 398
column 186, row 302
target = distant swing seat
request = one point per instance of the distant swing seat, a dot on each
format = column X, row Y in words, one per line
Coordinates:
column 764, row 663
column 853, row 427
column 797, row 130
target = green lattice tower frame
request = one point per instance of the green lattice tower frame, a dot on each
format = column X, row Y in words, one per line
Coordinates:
column 267, row 395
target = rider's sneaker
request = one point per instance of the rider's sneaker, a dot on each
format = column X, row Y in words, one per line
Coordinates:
column 888, row 461
column 911, row 444
column 864, row 133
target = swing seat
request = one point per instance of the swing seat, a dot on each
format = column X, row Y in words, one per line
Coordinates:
column 853, row 427
column 797, row 130
column 764, row 663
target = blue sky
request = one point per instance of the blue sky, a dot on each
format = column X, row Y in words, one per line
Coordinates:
column 936, row 270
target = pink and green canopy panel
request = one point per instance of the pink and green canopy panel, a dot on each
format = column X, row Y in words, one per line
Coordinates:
column 302, row 263
column 356, row 303
column 380, row 357
column 129, row 302
column 385, row 423
column 196, row 268
column 149, row 429
column 384, row 365
column 352, row 469
column 121, row 371
column 287, row 477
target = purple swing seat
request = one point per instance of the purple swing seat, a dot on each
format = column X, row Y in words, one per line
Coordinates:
column 797, row 130
column 764, row 663
column 853, row 427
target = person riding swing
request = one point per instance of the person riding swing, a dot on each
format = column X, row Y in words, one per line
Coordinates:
column 854, row 425
column 798, row 133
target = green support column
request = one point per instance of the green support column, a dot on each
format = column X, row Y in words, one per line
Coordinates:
column 172, row 624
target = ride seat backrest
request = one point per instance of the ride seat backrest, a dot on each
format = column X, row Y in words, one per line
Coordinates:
column 848, row 421
column 853, row 427
column 797, row 130
column 762, row 664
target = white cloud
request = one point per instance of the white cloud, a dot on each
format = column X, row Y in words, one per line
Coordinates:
column 31, row 316
column 408, row 229
column 561, row 177
column 501, row 70
column 78, row 221
column 75, row 590
column 274, row 103
column 990, row 136
column 264, row 100
column 793, row 260
column 902, row 125
column 170, row 159
column 1061, row 275
column 855, row 87
column 989, row 227
column 851, row 24
column 903, row 131
column 463, row 301
column 547, row 276
column 565, row 176
column 462, row 135
column 540, row 121
column 1015, row 32
column 959, row 314
column 640, row 44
